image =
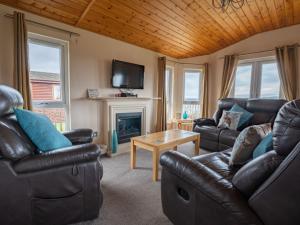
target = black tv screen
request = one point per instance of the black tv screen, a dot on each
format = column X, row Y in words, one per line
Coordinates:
column 127, row 75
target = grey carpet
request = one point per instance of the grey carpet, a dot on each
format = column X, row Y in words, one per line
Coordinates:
column 130, row 196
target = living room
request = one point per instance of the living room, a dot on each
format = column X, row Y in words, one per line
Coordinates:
column 149, row 97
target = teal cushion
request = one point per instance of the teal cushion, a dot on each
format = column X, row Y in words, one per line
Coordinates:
column 41, row 131
column 245, row 117
column 264, row 146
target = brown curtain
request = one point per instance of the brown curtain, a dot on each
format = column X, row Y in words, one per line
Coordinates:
column 161, row 123
column 287, row 66
column 230, row 63
column 21, row 71
column 204, row 94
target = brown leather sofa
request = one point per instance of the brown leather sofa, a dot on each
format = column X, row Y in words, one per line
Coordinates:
column 205, row 190
column 60, row 187
column 219, row 139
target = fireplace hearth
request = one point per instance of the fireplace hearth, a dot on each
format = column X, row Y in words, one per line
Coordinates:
column 128, row 125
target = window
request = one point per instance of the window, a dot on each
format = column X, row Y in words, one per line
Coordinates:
column 270, row 82
column 257, row 79
column 191, row 93
column 169, row 90
column 48, row 70
column 243, row 81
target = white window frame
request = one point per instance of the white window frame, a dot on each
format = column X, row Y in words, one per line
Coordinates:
column 192, row 102
column 256, row 76
column 65, row 94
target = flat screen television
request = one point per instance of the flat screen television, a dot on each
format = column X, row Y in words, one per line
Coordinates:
column 127, row 75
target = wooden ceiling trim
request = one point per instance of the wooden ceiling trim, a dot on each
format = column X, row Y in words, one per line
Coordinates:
column 173, row 20
column 123, row 30
column 88, row 7
column 201, row 15
column 135, row 20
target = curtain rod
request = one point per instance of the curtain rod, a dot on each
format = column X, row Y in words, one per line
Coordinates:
column 185, row 63
column 249, row 53
column 45, row 25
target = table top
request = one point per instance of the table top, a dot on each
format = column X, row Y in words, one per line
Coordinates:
column 165, row 137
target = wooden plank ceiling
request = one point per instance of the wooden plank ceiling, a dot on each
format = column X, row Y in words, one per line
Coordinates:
column 177, row 28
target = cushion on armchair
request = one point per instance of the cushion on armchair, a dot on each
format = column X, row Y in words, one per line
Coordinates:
column 246, row 142
column 41, row 131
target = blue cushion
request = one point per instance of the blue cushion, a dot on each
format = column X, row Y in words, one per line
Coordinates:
column 245, row 117
column 264, row 146
column 41, row 131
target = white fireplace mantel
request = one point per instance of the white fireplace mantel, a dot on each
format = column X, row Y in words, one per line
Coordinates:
column 112, row 106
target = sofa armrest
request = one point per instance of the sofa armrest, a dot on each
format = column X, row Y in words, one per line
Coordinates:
column 204, row 122
column 79, row 136
column 282, row 189
column 189, row 184
column 62, row 157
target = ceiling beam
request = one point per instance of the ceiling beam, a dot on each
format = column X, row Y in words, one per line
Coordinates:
column 85, row 12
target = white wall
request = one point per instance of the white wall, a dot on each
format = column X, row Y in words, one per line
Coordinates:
column 257, row 43
column 90, row 65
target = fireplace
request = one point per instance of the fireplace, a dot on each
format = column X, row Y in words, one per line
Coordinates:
column 128, row 125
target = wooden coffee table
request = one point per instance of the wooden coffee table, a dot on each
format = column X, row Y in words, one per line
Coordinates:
column 157, row 142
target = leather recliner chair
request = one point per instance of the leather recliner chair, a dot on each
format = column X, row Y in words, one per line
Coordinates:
column 205, row 190
column 59, row 187
column 219, row 139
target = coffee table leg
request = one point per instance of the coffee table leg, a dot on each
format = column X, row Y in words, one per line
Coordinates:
column 155, row 154
column 197, row 143
column 133, row 155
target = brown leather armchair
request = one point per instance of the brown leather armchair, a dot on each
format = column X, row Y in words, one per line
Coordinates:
column 205, row 190
column 59, row 187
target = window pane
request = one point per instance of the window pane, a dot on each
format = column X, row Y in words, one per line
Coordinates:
column 44, row 58
column 47, row 81
column 56, row 115
column 191, row 86
column 169, row 93
column 270, row 83
column 243, row 81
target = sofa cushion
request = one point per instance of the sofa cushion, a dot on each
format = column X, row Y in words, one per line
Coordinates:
column 227, row 137
column 264, row 146
column 246, row 142
column 208, row 132
column 41, row 131
column 286, row 132
column 245, row 116
column 230, row 120
column 254, row 173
